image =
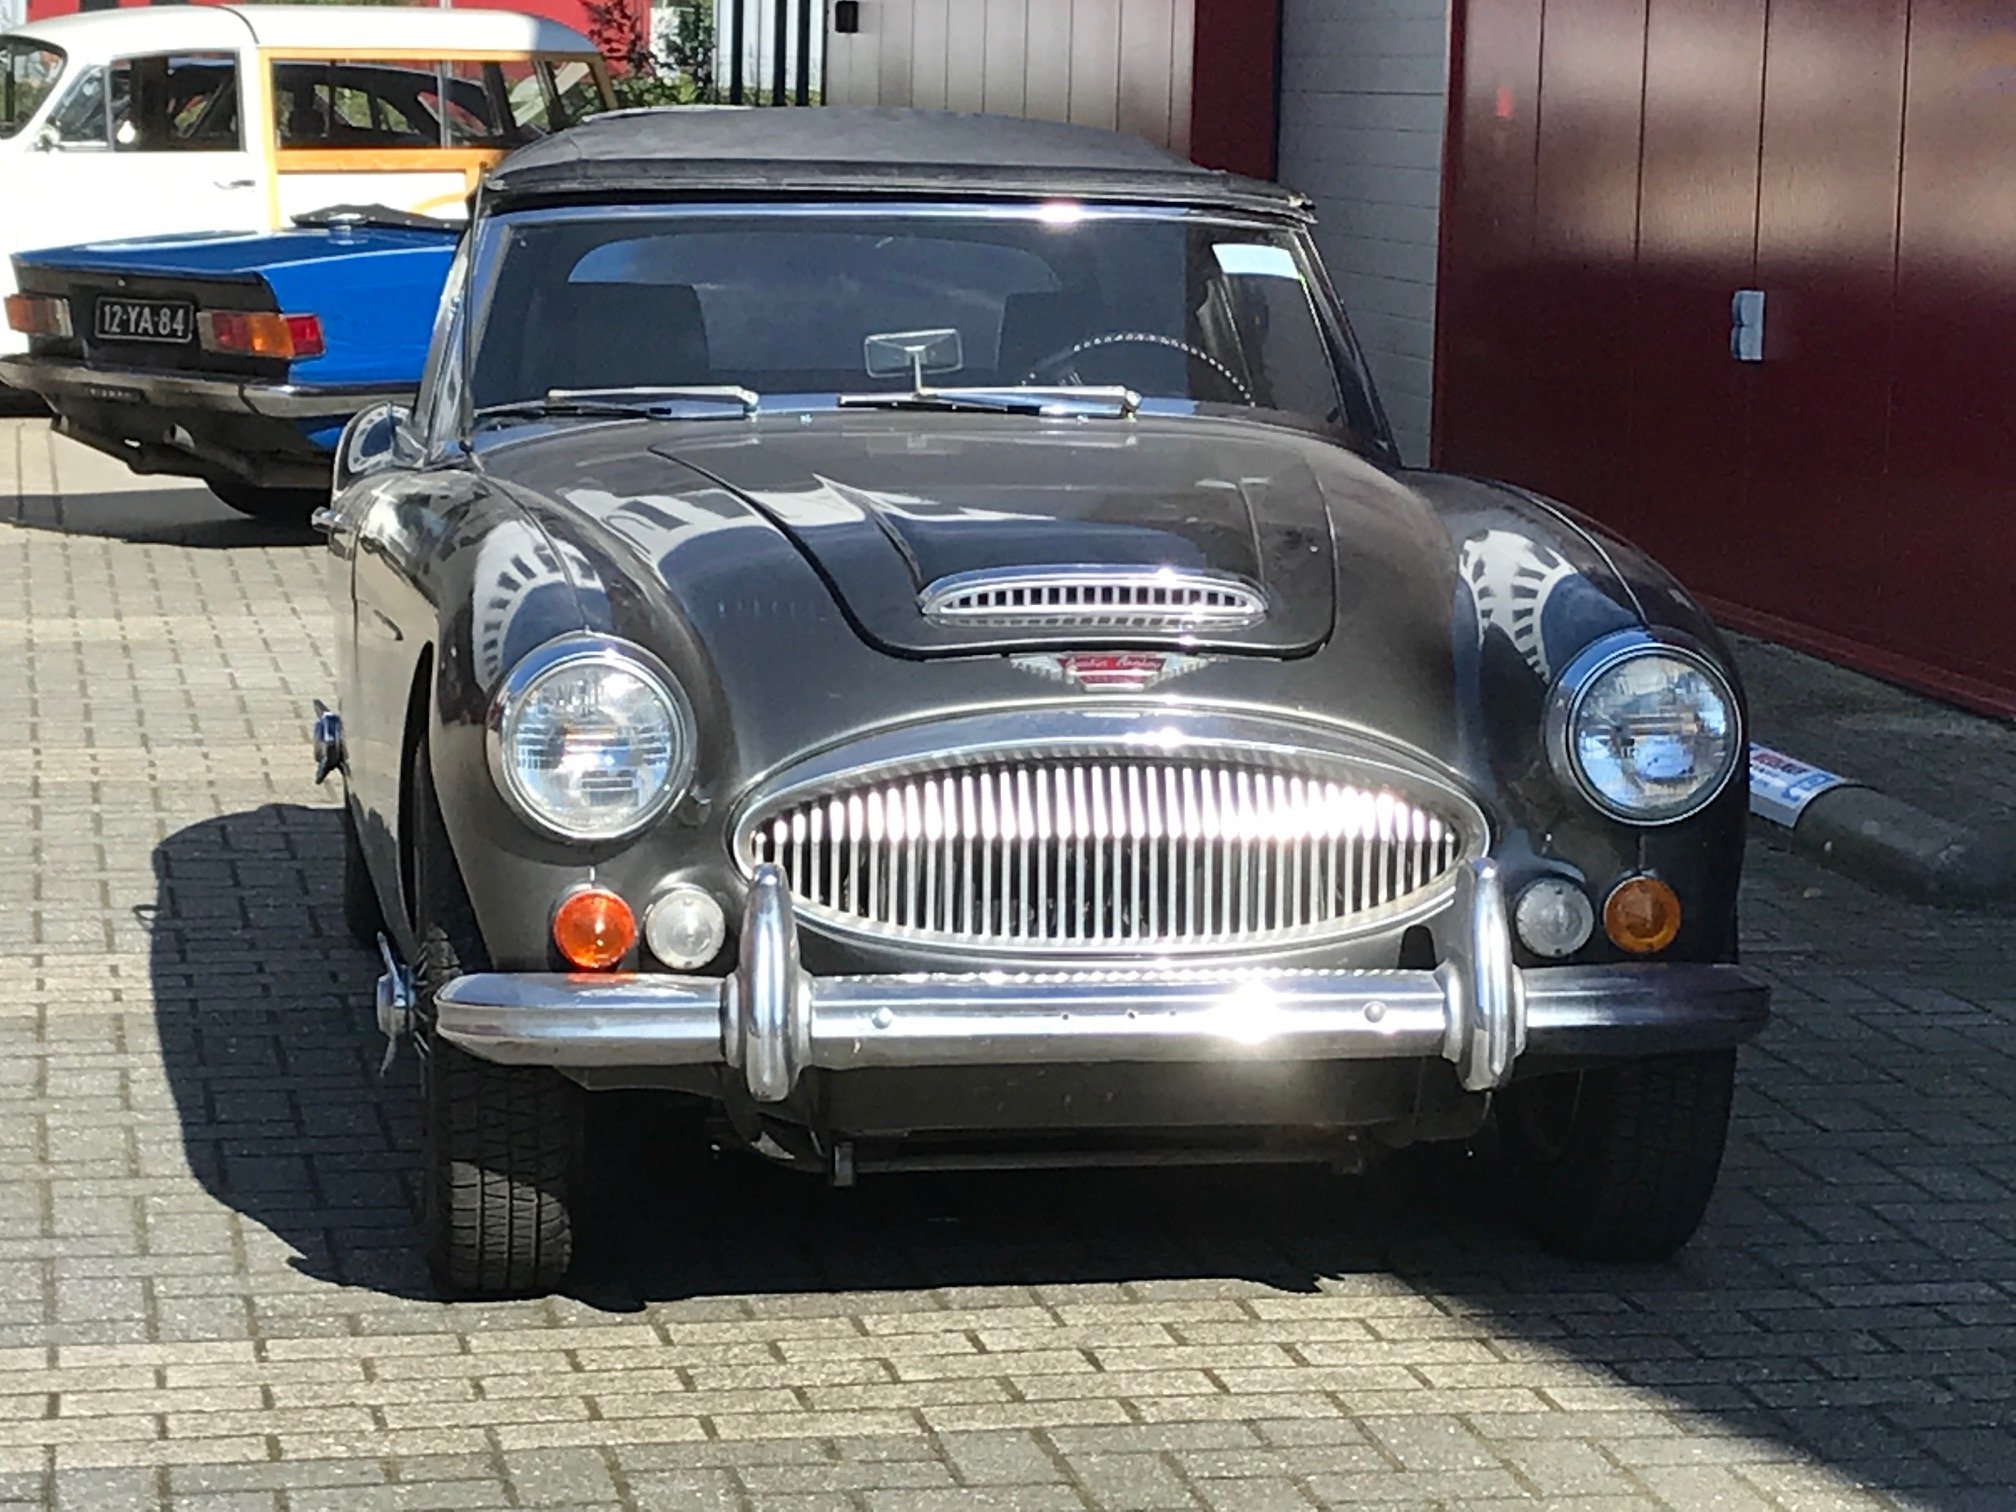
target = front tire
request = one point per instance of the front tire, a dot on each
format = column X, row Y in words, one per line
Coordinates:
column 501, row 1143
column 361, row 915
column 274, row 506
column 1618, row 1163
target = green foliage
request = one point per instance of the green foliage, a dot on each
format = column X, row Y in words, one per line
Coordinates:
column 681, row 74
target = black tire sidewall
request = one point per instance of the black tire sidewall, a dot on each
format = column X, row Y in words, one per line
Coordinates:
column 273, row 506
column 1628, row 1176
column 542, row 1165
column 361, row 914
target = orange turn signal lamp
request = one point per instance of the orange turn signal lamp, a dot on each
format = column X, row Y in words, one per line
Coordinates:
column 593, row 929
column 38, row 314
column 257, row 333
column 1642, row 915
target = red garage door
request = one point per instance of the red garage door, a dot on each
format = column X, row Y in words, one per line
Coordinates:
column 1619, row 170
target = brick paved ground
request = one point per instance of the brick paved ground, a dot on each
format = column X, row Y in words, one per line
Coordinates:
column 208, row 1297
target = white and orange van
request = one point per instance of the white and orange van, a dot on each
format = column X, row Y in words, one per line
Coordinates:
column 128, row 123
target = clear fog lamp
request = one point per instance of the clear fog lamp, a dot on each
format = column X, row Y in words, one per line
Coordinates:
column 1554, row 918
column 685, row 927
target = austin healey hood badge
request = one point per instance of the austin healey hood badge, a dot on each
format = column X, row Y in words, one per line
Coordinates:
column 1111, row 671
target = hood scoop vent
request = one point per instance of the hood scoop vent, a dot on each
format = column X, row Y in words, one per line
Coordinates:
column 1095, row 598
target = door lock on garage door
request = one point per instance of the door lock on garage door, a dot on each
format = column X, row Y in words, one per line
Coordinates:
column 1746, row 325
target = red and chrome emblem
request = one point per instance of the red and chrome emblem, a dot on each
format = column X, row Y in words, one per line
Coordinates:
column 1111, row 671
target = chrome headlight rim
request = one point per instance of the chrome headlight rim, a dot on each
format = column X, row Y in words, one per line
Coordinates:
column 1586, row 672
column 572, row 650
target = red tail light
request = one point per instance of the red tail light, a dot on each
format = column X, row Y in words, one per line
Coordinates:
column 255, row 333
column 38, row 314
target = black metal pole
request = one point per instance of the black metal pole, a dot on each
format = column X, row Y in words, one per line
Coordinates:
column 736, row 43
column 780, row 37
column 804, row 95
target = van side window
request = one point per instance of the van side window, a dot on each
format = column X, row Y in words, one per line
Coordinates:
column 79, row 117
column 576, row 90
column 28, row 71
column 176, row 103
column 427, row 103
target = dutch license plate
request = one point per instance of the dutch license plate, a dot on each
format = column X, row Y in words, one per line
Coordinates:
column 171, row 322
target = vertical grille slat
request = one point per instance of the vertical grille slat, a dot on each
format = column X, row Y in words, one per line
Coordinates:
column 1107, row 853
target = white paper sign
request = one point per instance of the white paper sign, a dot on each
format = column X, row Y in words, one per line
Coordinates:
column 1256, row 260
column 1781, row 786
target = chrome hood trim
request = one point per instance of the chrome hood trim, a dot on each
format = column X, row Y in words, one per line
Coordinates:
column 1098, row 597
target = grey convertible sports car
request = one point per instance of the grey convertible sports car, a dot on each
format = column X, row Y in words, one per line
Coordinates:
column 909, row 632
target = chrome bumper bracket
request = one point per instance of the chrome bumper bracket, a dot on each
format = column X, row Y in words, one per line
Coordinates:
column 771, row 1021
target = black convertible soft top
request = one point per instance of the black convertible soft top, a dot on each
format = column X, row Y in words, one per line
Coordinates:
column 717, row 152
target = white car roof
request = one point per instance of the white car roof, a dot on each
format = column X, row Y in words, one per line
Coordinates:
column 424, row 31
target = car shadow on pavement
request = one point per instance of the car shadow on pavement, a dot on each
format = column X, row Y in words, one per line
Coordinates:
column 174, row 514
column 1779, row 1327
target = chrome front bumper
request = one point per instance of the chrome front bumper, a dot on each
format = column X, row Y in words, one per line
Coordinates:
column 59, row 378
column 771, row 1021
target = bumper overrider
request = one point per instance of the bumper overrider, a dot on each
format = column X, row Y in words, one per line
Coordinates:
column 771, row 1021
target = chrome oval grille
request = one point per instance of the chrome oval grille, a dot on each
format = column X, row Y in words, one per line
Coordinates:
column 1118, row 597
column 1096, row 854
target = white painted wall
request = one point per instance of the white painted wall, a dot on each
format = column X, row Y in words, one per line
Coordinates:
column 1364, row 89
column 1112, row 63
column 12, row 13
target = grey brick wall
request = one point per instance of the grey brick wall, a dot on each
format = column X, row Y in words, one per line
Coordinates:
column 1363, row 90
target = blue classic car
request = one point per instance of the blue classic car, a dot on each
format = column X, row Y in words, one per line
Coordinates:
column 236, row 359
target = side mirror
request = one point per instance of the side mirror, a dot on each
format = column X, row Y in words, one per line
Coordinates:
column 375, row 439
column 46, row 140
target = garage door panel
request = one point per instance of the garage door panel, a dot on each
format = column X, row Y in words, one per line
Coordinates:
column 1815, row 530
column 1952, row 476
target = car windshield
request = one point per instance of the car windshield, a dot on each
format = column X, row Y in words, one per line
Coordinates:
column 28, row 71
column 810, row 306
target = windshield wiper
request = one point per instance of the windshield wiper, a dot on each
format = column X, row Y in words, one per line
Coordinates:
column 1063, row 399
column 622, row 403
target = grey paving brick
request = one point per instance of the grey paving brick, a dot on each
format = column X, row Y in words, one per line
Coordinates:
column 1255, row 1494
column 702, row 1490
column 1133, row 1482
column 999, row 1459
column 1024, row 1498
column 111, row 1490
column 559, row 1477
column 1415, row 1487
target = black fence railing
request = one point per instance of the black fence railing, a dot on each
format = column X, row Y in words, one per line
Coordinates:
column 714, row 52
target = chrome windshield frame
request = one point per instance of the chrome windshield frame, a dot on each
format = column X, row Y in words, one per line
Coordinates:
column 491, row 233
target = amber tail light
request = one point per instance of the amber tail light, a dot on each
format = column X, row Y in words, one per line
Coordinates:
column 255, row 333
column 38, row 315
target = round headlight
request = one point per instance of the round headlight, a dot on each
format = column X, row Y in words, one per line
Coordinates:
column 589, row 740
column 1647, row 730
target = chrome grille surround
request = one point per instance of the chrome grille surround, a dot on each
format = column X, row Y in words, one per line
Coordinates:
column 1149, row 840
column 1086, row 597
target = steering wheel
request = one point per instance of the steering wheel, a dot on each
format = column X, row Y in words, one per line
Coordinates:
column 1056, row 367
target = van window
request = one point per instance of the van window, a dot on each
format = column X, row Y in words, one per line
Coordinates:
column 576, row 87
column 79, row 117
column 179, row 103
column 28, row 71
column 427, row 103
